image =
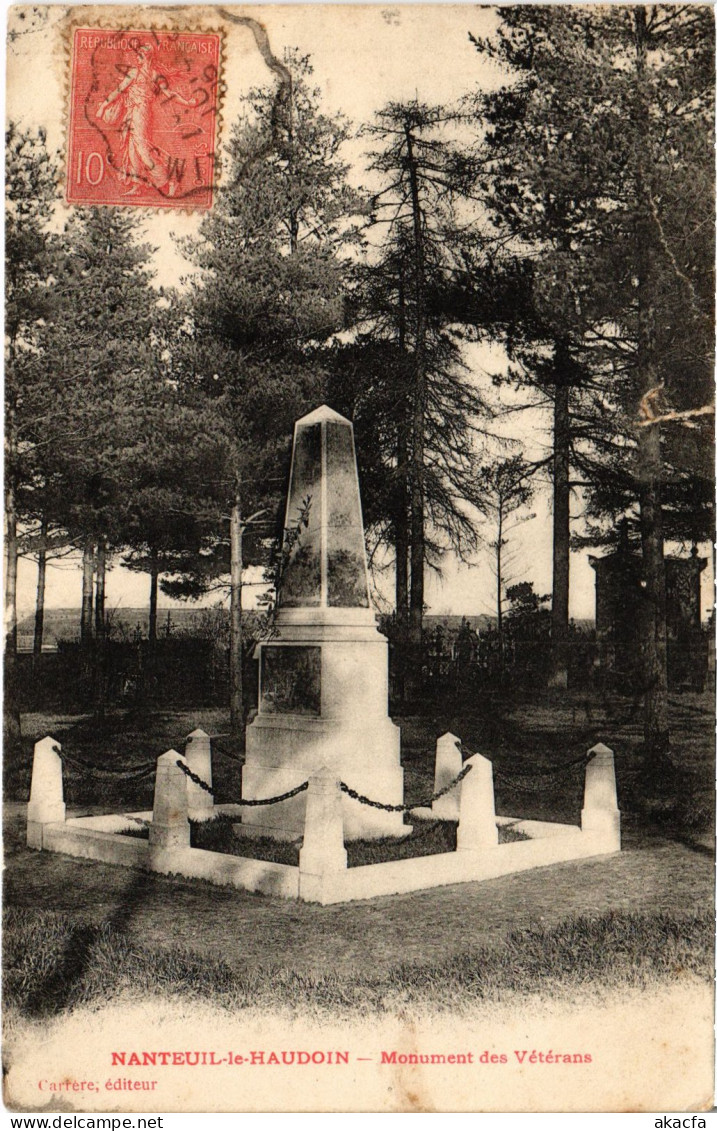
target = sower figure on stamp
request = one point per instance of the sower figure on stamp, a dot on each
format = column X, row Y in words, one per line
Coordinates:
column 132, row 106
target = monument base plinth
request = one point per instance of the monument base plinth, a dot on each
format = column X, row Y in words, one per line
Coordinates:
column 281, row 753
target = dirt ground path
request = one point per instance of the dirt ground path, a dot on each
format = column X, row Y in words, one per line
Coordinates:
column 256, row 932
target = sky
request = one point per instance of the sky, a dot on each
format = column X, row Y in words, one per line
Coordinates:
column 363, row 57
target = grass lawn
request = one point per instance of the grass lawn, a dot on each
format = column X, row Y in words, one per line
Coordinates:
column 643, row 915
column 51, row 964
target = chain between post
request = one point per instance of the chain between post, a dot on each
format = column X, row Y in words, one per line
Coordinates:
column 244, row 801
column 138, row 772
column 135, row 772
column 523, row 775
column 405, row 808
column 344, row 788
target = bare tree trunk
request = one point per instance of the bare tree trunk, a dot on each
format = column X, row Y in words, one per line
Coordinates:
column 401, row 539
column 40, row 595
column 88, row 572
column 10, row 577
column 653, row 621
column 654, row 626
column 100, row 582
column 236, row 696
column 293, row 233
column 153, row 593
column 401, row 499
column 656, row 722
column 100, row 632
column 11, row 712
column 401, row 531
column 561, row 530
column 499, row 589
column 418, row 554
column 10, row 545
column 400, row 519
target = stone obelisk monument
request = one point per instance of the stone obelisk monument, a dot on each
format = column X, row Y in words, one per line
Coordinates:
column 323, row 674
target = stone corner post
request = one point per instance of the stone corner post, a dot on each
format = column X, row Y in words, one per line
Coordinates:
column 170, row 820
column 322, row 852
column 477, row 828
column 449, row 763
column 198, row 756
column 600, row 813
column 47, row 804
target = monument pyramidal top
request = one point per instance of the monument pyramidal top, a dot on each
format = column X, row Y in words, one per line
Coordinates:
column 319, row 415
column 325, row 557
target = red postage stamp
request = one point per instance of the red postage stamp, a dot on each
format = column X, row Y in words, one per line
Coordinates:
column 143, row 118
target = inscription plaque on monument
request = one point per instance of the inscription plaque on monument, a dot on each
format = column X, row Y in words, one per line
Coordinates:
column 291, row 680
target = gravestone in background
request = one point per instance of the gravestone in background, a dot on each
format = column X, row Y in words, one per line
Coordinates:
column 323, row 675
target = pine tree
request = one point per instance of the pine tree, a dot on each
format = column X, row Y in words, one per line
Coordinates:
column 178, row 456
column 30, row 190
column 606, row 122
column 434, row 409
column 669, row 49
column 98, row 345
column 544, row 183
column 503, row 489
column 30, row 180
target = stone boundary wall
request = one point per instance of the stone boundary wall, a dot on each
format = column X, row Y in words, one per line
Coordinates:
column 75, row 838
column 421, row 872
column 395, row 877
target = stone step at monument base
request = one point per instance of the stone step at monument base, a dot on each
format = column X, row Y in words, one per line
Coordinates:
column 256, row 832
column 286, row 823
column 282, row 752
column 274, row 832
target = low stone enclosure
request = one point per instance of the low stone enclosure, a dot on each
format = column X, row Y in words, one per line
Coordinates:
column 182, row 792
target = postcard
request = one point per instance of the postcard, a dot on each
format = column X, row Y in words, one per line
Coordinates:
column 359, row 498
